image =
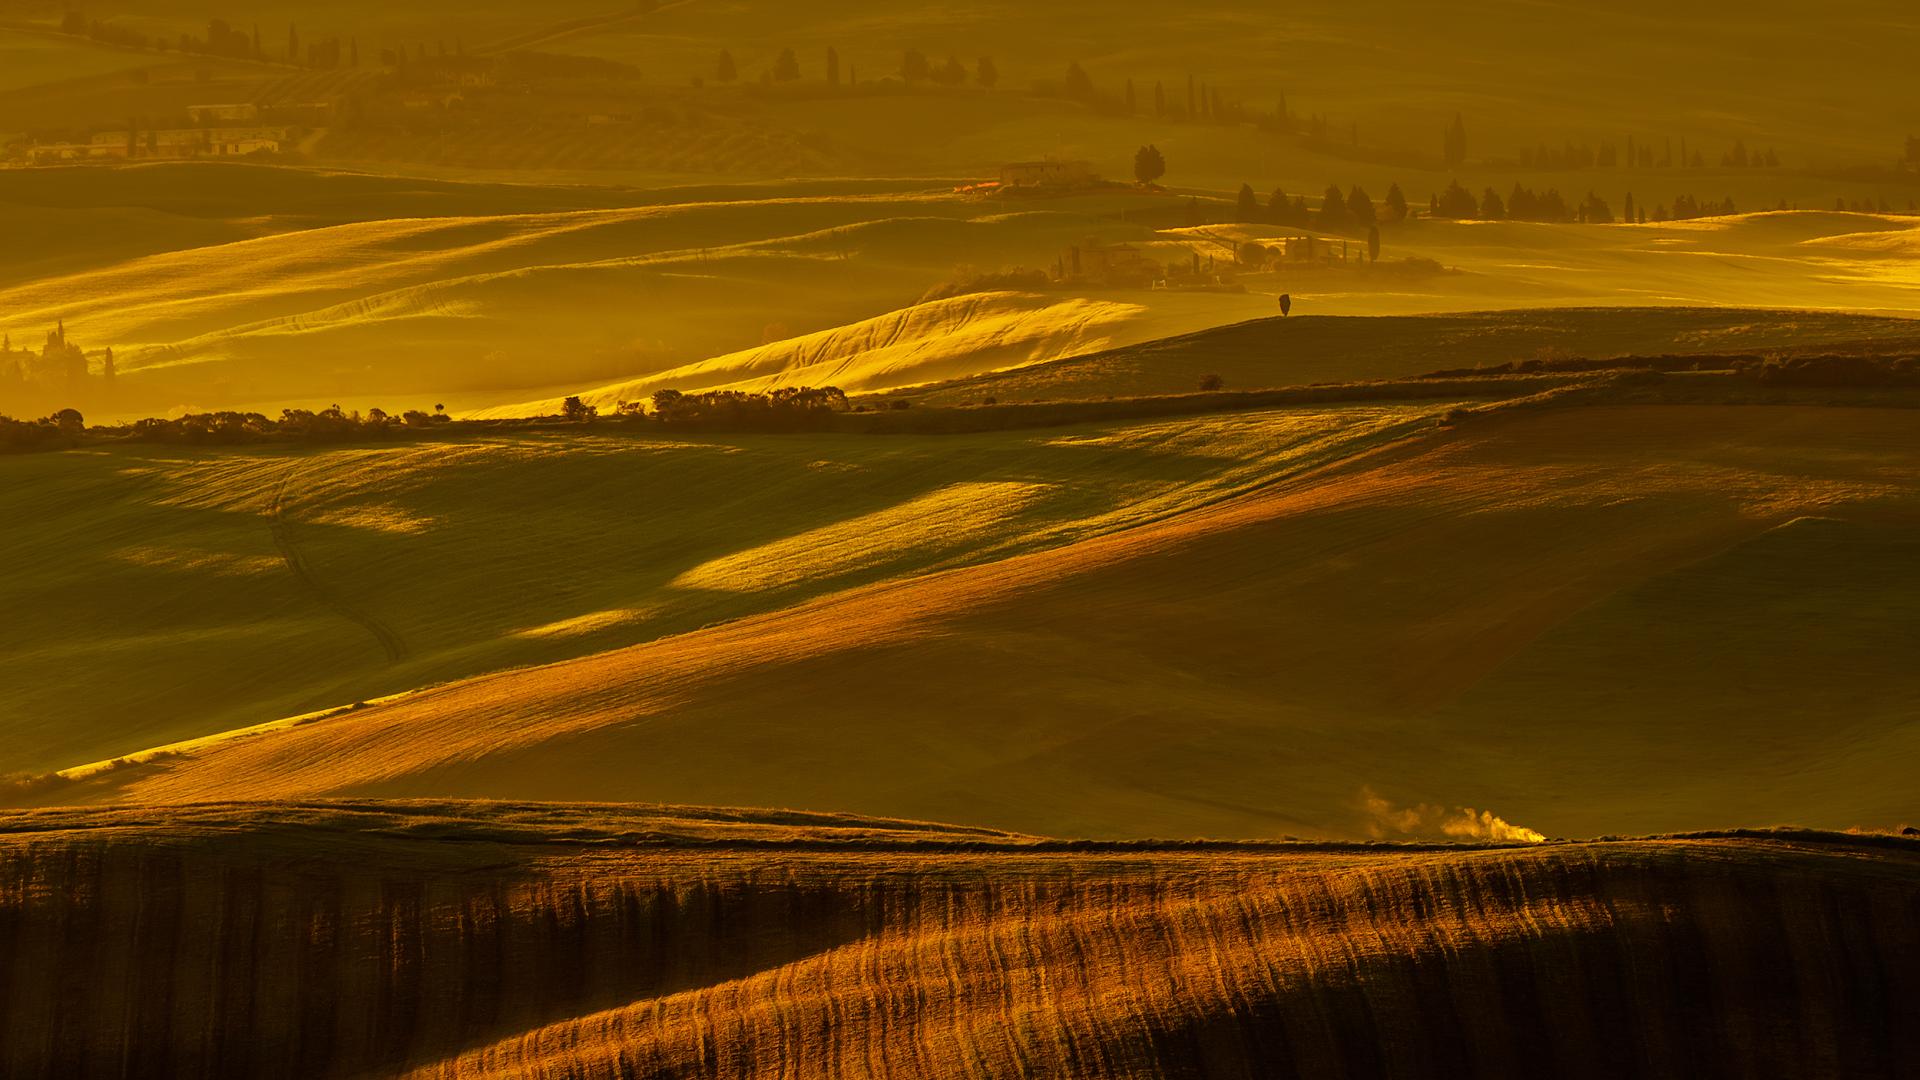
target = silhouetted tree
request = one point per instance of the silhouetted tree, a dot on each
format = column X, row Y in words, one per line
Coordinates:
column 1280, row 209
column 578, row 411
column 914, row 67
column 1396, row 204
column 1455, row 202
column 1491, row 208
column 1247, row 208
column 1212, row 383
column 1149, row 165
column 833, row 66
column 1360, row 208
column 1078, row 84
column 1333, row 211
column 985, row 73
column 787, row 67
column 725, row 71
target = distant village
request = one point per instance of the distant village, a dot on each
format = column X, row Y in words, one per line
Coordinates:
column 60, row 375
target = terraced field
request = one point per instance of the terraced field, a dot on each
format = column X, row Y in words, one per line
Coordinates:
column 637, row 941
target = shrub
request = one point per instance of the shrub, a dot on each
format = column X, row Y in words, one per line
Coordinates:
column 1212, row 383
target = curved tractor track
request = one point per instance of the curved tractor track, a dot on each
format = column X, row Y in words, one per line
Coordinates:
column 278, row 523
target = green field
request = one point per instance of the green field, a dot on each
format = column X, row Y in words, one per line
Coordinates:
column 391, row 568
column 1171, row 627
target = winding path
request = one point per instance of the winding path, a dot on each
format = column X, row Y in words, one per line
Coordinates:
column 282, row 529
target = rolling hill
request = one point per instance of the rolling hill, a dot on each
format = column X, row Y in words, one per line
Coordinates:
column 470, row 940
column 189, row 575
column 234, row 286
column 1310, row 349
column 1292, row 659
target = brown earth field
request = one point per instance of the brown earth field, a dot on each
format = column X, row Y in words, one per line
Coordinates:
column 548, row 940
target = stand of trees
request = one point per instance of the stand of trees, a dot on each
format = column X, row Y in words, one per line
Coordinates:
column 1640, row 154
column 788, row 408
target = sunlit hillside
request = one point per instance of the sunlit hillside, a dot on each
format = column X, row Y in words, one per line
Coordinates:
column 572, row 941
column 1264, row 650
column 233, row 286
column 173, row 583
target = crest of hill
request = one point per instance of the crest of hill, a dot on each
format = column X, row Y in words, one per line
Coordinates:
column 929, row 342
column 1306, row 349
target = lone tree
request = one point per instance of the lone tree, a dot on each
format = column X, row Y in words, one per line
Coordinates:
column 985, row 73
column 1079, row 86
column 1247, row 209
column 578, row 411
column 787, row 67
column 1149, row 164
column 726, row 72
column 1396, row 204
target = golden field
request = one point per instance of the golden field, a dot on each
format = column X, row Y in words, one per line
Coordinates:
column 460, row 939
column 1392, row 534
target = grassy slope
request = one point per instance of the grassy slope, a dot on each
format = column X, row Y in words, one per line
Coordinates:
column 1386, row 646
column 161, row 568
column 546, row 941
column 1307, row 349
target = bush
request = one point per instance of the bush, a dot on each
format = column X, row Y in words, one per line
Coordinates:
column 1212, row 383
column 577, row 411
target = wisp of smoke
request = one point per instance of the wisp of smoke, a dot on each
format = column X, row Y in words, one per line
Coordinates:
column 1428, row 821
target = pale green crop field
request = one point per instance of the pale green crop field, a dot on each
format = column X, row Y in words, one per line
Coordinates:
column 167, row 604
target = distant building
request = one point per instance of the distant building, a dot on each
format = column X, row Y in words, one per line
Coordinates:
column 1118, row 265
column 162, row 144
column 1046, row 174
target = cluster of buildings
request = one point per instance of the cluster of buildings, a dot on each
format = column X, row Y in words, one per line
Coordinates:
column 215, row 130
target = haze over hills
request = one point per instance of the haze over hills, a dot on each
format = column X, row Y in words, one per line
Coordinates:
column 1069, row 540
